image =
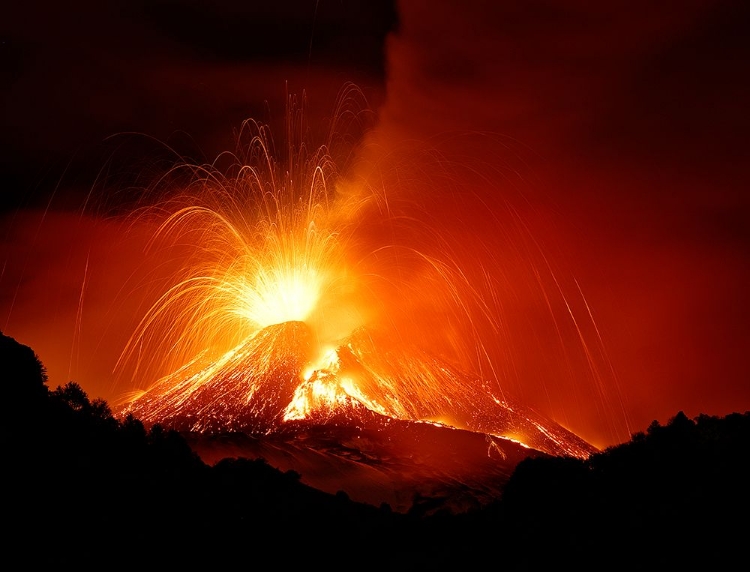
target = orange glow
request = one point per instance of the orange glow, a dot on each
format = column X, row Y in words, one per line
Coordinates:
column 291, row 307
column 552, row 202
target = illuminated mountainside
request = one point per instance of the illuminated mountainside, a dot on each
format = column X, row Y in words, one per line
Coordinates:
column 366, row 423
column 265, row 388
column 260, row 388
column 401, row 380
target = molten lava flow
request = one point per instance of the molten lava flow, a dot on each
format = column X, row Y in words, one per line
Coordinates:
column 277, row 318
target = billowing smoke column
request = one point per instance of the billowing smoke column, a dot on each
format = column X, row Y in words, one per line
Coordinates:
column 310, row 295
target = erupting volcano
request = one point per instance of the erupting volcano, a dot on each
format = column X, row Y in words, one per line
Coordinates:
column 267, row 386
column 293, row 313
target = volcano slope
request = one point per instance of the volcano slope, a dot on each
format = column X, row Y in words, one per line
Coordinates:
column 383, row 423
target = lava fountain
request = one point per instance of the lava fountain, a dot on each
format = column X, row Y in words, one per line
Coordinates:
column 283, row 311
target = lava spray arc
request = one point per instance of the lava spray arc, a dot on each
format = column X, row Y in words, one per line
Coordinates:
column 308, row 291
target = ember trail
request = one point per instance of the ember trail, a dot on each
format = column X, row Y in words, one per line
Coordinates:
column 280, row 315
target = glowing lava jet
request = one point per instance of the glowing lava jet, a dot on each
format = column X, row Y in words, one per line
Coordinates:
column 278, row 320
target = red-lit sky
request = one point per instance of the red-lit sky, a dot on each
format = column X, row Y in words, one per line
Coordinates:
column 619, row 138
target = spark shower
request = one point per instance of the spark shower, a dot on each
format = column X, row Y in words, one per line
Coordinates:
column 314, row 279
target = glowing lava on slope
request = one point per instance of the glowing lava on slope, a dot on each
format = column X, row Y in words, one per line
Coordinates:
column 279, row 320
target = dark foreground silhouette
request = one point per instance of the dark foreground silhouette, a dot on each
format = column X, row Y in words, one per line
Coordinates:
column 85, row 490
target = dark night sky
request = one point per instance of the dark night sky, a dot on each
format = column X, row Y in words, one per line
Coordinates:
column 627, row 120
column 80, row 73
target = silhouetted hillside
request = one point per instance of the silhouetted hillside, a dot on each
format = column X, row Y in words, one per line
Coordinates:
column 674, row 495
column 84, row 489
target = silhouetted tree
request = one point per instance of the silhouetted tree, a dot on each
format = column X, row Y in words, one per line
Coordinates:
column 22, row 376
column 667, row 498
column 72, row 395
